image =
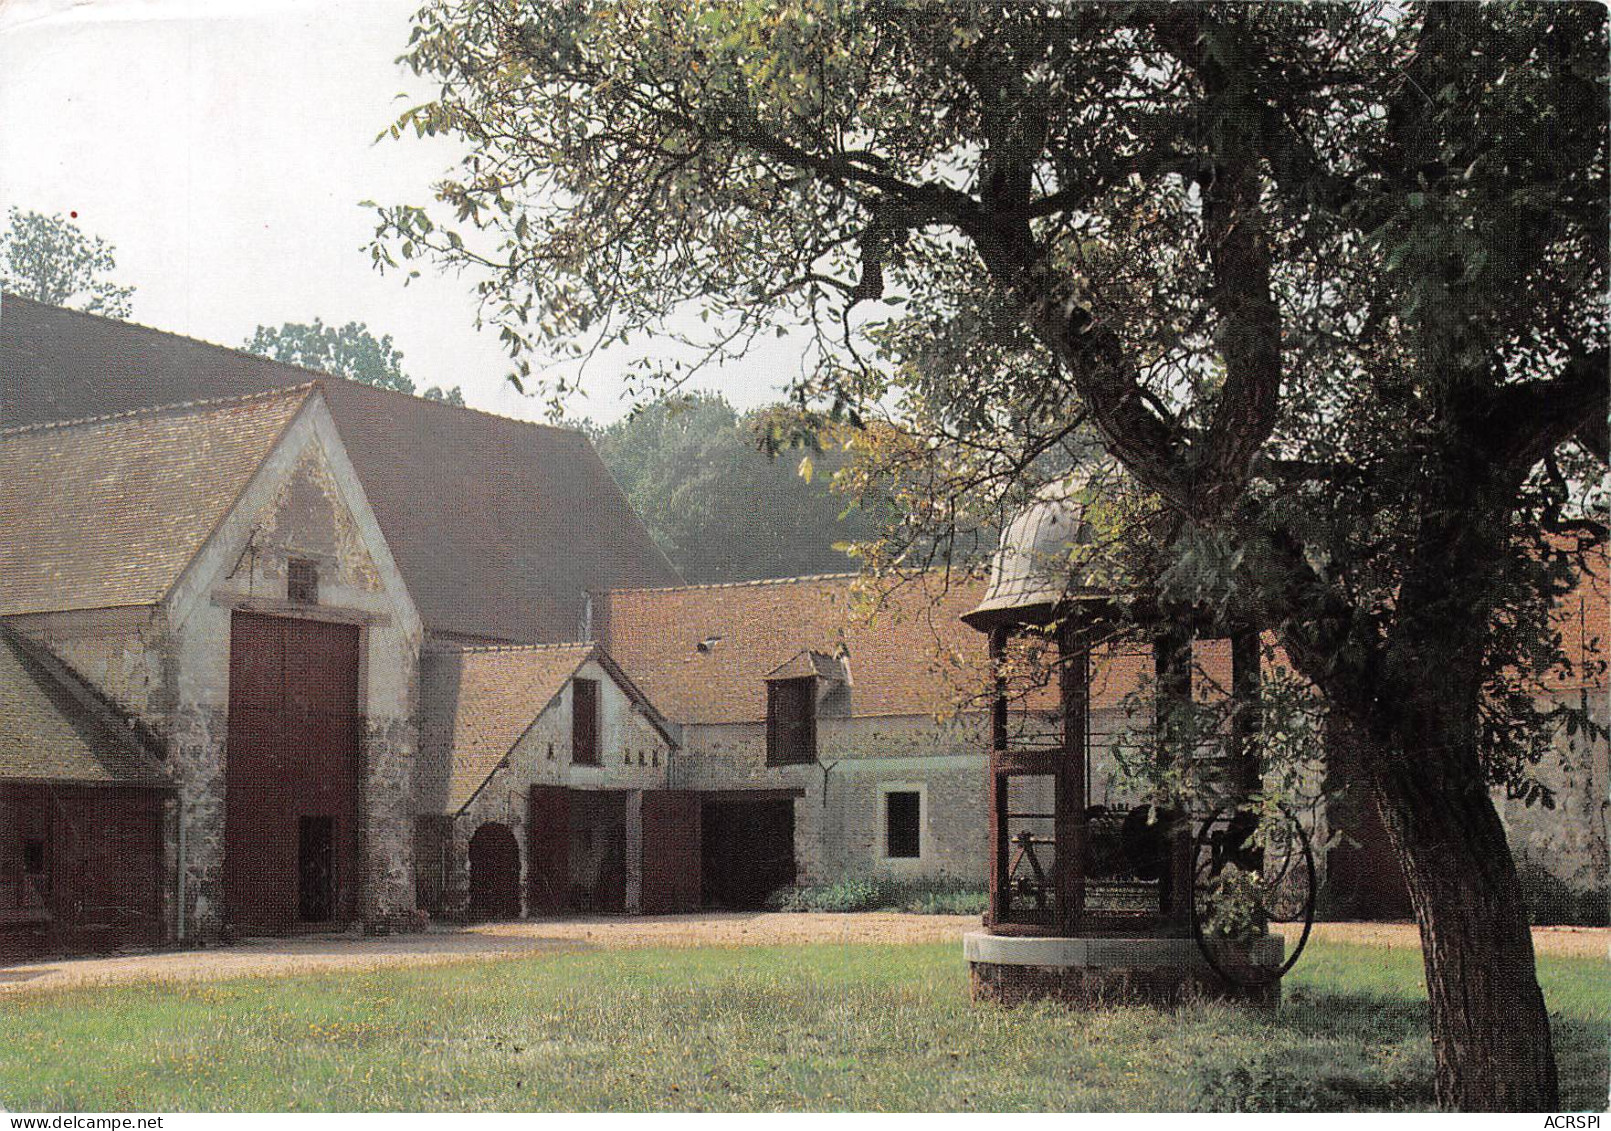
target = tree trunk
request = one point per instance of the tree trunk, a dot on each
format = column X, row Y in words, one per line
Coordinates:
column 1490, row 1028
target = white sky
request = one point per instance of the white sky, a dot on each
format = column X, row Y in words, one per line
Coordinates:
column 222, row 147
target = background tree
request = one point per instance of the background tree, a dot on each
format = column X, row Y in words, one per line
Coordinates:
column 720, row 507
column 352, row 351
column 50, row 259
column 1326, row 281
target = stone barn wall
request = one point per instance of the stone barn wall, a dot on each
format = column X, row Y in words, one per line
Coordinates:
column 633, row 756
column 304, row 503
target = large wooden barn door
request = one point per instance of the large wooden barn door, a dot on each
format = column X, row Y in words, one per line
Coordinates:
column 548, row 850
column 671, row 837
column 291, row 777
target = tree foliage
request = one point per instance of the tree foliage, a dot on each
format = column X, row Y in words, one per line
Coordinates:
column 351, row 351
column 50, row 259
column 1324, row 282
column 720, row 507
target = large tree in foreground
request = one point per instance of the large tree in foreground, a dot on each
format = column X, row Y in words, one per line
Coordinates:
column 1325, row 280
column 51, row 259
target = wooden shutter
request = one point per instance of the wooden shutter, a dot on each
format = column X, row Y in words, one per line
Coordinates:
column 585, row 722
column 548, row 849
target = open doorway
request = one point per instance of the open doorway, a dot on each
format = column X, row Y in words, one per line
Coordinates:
column 316, row 871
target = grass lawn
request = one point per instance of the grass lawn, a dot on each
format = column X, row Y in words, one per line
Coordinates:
column 813, row 1027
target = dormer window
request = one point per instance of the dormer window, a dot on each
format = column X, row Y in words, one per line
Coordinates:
column 791, row 721
column 302, row 581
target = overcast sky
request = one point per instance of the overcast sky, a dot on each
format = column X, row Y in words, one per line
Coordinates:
column 223, row 147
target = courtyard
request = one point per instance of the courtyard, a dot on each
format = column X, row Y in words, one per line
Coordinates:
column 724, row 1012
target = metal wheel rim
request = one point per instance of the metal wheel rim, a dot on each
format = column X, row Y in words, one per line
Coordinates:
column 1201, row 842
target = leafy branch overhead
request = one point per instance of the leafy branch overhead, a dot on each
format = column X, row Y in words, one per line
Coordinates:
column 1324, row 282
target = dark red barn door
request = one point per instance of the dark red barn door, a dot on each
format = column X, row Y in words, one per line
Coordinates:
column 291, row 774
column 548, row 850
column 671, row 838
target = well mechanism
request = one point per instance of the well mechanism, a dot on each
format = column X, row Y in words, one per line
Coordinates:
column 1148, row 901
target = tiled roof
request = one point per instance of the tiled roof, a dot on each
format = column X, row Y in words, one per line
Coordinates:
column 497, row 525
column 53, row 730
column 913, row 657
column 810, row 663
column 478, row 702
column 109, row 511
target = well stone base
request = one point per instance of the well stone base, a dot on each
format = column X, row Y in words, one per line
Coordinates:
column 1095, row 972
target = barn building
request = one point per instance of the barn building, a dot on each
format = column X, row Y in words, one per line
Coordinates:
column 281, row 652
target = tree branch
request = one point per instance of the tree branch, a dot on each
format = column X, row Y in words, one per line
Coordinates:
column 1524, row 422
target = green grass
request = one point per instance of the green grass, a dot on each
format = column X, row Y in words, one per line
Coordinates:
column 811, row 1027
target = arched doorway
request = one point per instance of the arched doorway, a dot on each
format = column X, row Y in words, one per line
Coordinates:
column 494, row 873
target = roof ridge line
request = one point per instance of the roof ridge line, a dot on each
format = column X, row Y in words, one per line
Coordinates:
column 733, row 584
column 449, row 649
column 315, row 375
column 283, row 392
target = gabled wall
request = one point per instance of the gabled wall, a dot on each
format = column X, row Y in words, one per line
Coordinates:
column 305, row 501
column 633, row 756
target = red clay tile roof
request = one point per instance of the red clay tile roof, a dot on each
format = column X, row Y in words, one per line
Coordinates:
column 478, row 702
column 914, row 656
column 52, row 729
column 498, row 525
column 109, row 512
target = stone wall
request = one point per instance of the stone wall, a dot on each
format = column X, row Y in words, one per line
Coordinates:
column 303, row 503
column 1568, row 842
column 837, row 819
column 633, row 756
column 122, row 653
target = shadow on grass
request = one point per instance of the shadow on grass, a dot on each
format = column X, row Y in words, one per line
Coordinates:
column 1362, row 1051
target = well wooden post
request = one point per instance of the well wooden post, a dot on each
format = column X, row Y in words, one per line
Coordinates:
column 1172, row 669
column 996, row 784
column 1074, row 679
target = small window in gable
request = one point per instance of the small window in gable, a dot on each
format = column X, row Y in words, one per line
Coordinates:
column 585, row 722
column 903, row 824
column 302, row 581
column 791, row 721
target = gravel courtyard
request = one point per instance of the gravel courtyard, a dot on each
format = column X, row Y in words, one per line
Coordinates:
column 279, row 957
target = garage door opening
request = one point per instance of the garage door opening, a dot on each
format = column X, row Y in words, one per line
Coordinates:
column 598, row 855
column 746, row 851
column 81, row 869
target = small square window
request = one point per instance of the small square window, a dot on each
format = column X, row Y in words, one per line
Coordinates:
column 302, row 581
column 903, row 813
